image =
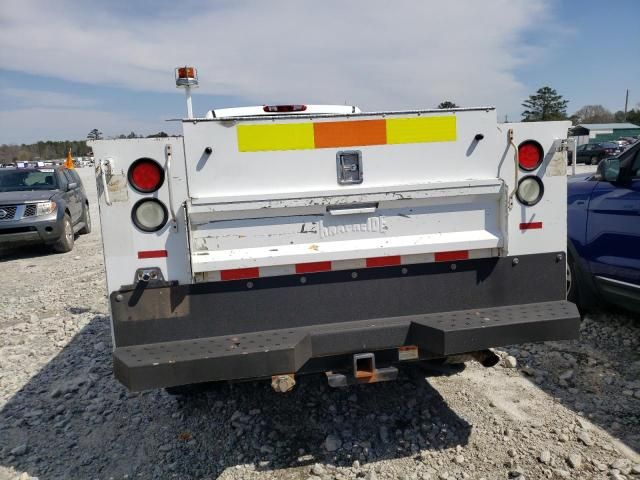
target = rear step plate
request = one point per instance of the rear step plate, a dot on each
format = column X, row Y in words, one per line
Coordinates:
column 262, row 354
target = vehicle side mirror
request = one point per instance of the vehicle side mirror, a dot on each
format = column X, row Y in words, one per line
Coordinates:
column 609, row 169
column 72, row 185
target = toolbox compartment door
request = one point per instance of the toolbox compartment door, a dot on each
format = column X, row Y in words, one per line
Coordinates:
column 268, row 158
column 419, row 220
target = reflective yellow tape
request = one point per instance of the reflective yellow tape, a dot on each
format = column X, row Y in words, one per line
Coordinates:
column 421, row 129
column 280, row 136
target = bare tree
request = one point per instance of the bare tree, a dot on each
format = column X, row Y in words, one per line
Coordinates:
column 593, row 114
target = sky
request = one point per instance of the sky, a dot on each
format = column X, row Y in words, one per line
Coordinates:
column 69, row 66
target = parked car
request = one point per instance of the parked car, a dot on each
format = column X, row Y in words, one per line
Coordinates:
column 629, row 141
column 42, row 205
column 593, row 153
column 604, row 233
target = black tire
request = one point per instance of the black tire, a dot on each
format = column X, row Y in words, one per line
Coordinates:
column 65, row 243
column 86, row 219
column 573, row 294
column 579, row 290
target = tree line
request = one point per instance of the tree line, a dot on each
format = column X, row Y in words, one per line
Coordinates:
column 52, row 150
column 547, row 105
column 48, row 150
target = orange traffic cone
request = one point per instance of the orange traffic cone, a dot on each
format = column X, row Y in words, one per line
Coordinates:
column 68, row 163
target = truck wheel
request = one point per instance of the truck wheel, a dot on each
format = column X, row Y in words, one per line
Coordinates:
column 65, row 243
column 577, row 292
column 86, row 219
column 572, row 287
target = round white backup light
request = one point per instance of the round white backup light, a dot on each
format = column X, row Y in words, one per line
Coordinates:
column 530, row 190
column 149, row 215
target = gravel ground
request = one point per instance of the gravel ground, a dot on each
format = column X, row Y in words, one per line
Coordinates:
column 553, row 410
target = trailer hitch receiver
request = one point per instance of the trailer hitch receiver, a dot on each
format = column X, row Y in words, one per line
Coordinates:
column 364, row 371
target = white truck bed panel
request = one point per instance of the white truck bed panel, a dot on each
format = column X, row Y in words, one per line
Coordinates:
column 231, row 171
column 268, row 192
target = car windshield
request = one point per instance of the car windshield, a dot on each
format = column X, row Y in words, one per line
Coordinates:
column 21, row 180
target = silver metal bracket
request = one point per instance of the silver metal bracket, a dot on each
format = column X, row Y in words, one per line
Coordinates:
column 147, row 275
column 167, row 169
column 564, row 146
column 104, row 170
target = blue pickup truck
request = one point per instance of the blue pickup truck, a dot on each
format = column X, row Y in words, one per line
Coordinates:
column 604, row 233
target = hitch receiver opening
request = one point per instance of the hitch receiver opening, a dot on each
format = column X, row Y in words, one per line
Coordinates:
column 364, row 371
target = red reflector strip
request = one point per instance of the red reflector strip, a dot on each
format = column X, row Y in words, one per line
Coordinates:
column 153, row 254
column 450, row 256
column 530, row 225
column 383, row 261
column 240, row 273
column 313, row 267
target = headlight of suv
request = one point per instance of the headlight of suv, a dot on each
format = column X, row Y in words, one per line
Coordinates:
column 45, row 208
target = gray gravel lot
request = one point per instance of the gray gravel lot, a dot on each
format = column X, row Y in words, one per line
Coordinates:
column 554, row 410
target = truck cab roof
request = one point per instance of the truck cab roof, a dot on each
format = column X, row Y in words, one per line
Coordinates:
column 290, row 109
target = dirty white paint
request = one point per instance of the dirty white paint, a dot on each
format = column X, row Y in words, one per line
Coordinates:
column 273, row 209
column 121, row 239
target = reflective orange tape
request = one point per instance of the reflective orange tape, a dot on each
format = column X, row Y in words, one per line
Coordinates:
column 350, row 134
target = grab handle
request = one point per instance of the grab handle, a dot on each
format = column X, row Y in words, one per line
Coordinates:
column 103, row 165
column 352, row 209
column 167, row 168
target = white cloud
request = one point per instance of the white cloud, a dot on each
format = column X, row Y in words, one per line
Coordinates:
column 27, row 125
column 42, row 98
column 373, row 53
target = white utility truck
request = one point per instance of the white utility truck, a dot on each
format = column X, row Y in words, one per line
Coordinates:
column 276, row 241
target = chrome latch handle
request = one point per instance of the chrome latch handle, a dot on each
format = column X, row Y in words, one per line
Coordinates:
column 167, row 169
column 104, row 166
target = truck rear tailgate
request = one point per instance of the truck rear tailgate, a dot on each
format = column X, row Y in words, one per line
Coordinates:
column 425, row 221
column 274, row 192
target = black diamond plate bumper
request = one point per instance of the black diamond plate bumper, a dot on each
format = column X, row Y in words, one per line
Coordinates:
column 270, row 352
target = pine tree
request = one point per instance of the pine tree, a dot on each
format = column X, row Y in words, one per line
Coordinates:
column 94, row 134
column 545, row 104
column 447, row 104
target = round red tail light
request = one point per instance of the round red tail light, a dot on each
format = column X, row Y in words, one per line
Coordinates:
column 146, row 175
column 530, row 155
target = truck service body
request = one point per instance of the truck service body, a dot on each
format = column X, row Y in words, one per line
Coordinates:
column 267, row 244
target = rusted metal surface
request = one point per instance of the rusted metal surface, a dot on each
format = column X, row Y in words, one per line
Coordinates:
column 283, row 383
column 384, row 374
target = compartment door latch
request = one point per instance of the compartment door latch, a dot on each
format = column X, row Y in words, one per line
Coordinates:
column 349, row 167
